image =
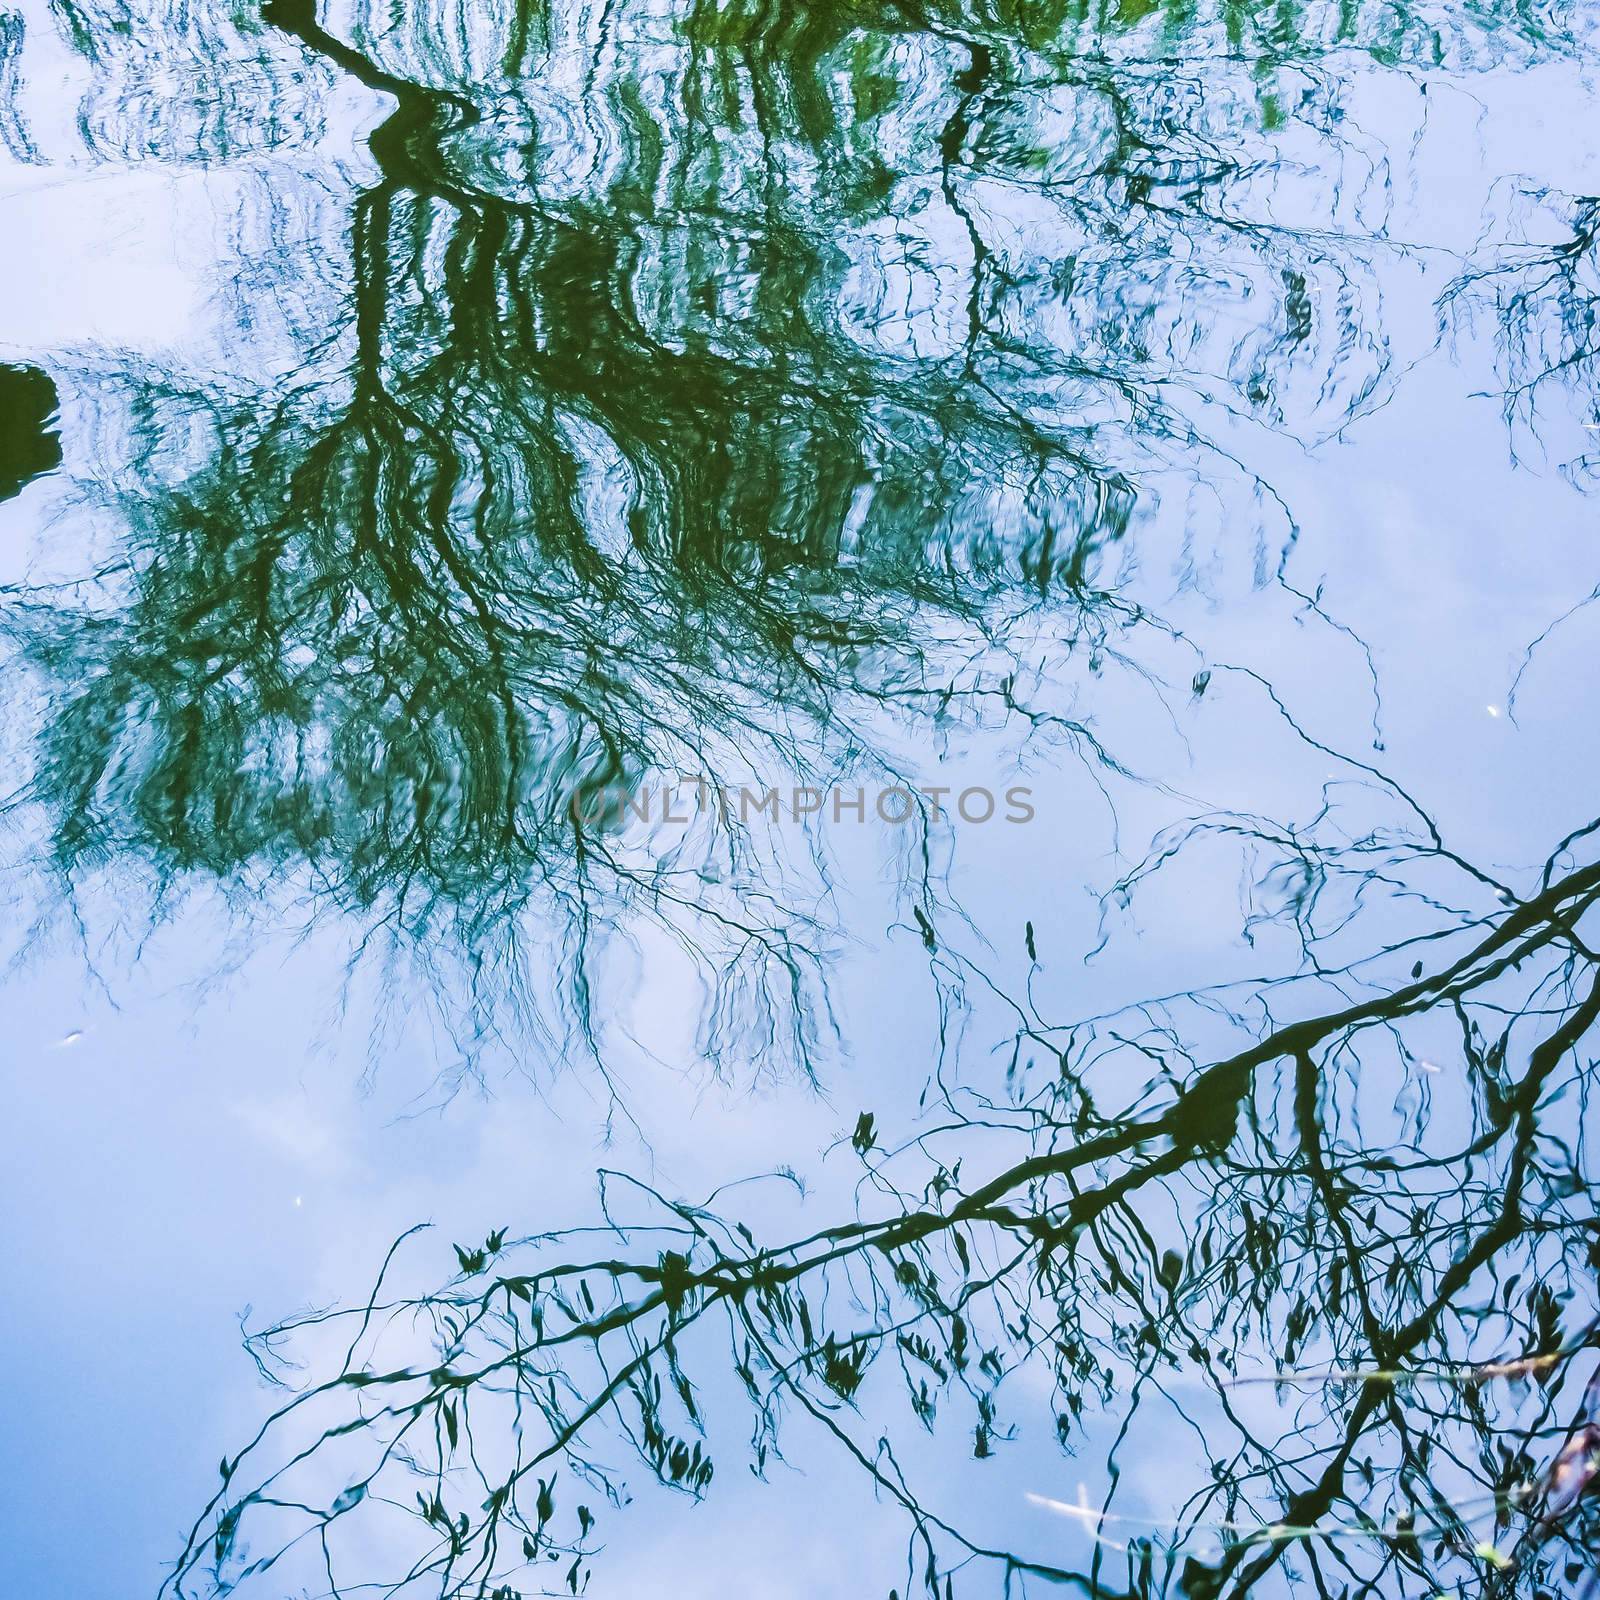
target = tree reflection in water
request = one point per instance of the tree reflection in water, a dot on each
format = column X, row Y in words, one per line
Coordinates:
column 837, row 401
column 1170, row 1204
column 724, row 393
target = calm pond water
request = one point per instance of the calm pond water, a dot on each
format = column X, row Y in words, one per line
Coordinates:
column 808, row 790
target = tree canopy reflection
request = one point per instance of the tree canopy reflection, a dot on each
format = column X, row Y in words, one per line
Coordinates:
column 697, row 408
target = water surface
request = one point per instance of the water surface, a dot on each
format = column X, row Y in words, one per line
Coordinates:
column 427, row 431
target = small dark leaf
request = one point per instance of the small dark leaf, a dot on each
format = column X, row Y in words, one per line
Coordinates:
column 864, row 1137
column 1170, row 1271
column 352, row 1496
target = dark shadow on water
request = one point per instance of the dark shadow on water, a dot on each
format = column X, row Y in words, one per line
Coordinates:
column 30, row 444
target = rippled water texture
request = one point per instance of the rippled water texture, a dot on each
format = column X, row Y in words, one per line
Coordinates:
column 880, row 716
